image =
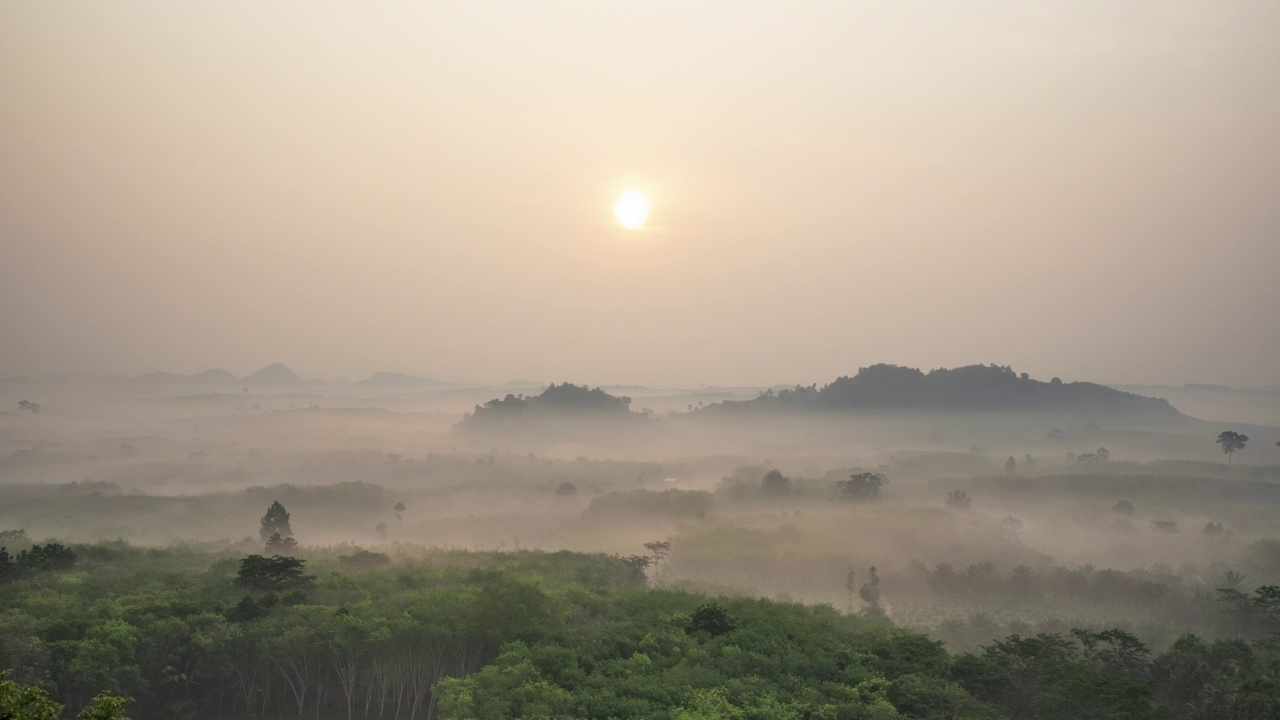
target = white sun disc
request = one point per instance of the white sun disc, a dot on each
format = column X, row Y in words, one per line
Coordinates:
column 631, row 210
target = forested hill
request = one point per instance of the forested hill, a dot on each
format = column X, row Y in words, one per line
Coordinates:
column 975, row 388
column 558, row 402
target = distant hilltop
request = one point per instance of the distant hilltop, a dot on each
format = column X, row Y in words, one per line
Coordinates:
column 556, row 402
column 974, row 388
column 273, row 375
column 407, row 382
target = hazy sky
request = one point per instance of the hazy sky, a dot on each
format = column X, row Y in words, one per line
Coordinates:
column 1083, row 188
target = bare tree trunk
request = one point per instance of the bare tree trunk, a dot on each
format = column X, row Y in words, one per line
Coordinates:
column 348, row 672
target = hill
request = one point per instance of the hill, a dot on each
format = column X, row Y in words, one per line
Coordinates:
column 401, row 380
column 274, row 374
column 975, row 388
column 556, row 403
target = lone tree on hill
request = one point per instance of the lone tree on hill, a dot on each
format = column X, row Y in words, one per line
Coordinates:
column 1231, row 441
column 275, row 522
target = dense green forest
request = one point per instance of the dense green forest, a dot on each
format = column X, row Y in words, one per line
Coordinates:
column 193, row 631
column 576, row 558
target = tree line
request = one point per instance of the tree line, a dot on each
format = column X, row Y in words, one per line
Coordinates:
column 189, row 632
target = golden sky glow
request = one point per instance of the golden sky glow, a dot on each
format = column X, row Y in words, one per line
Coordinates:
column 1084, row 189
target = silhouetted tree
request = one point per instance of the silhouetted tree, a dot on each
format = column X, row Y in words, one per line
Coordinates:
column 660, row 550
column 1231, row 441
column 860, row 487
column 277, row 545
column 958, row 500
column 1124, row 507
column 1010, row 466
column 635, row 567
column 1101, row 455
column 29, row 406
column 870, row 591
column 566, row 488
column 14, row 538
column 364, row 560
column 275, row 522
column 775, row 485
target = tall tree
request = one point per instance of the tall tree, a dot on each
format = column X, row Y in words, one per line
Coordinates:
column 275, row 522
column 870, row 592
column 1231, row 441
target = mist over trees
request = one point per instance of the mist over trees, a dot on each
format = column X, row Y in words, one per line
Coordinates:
column 579, row 559
column 275, row 533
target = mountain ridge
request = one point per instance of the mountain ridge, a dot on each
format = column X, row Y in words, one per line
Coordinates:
column 971, row 388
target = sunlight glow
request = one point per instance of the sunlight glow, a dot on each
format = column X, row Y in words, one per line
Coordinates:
column 632, row 209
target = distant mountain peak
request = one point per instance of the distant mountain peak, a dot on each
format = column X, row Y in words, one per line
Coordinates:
column 216, row 375
column 274, row 374
column 402, row 380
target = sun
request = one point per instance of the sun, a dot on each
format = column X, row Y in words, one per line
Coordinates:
column 631, row 209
